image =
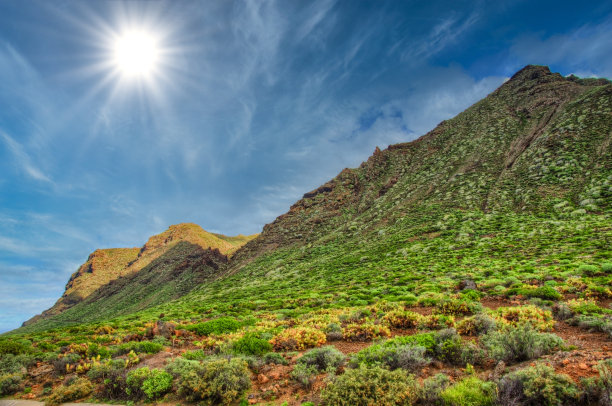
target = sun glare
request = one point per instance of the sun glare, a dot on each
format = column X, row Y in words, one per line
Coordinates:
column 136, row 53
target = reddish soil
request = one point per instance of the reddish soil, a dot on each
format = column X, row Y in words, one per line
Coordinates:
column 350, row 347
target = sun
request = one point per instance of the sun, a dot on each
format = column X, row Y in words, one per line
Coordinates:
column 136, row 54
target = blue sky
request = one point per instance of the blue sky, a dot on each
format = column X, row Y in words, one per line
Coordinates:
column 254, row 103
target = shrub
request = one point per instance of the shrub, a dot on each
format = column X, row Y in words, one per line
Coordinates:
column 251, row 345
column 114, row 384
column 606, row 267
column 218, row 326
column 304, row 374
column 584, row 306
column 542, row 292
column 62, row 364
column 78, row 389
column 430, row 392
column 14, row 347
column 220, row 381
column 138, row 346
column 426, row 340
column 408, row 357
column 333, row 332
column 100, row 371
column 157, row 384
column 323, row 358
column 402, row 319
column 595, row 323
column 274, row 358
column 194, row 355
column 598, row 390
column 448, row 346
column 437, row 322
column 537, row 385
column 10, row 383
column 470, row 391
column 540, row 319
column 365, row 332
column 371, row 386
column 457, row 307
column 588, row 270
column 476, row 325
column 134, row 381
column 10, row 363
column 299, row 338
column 520, row 343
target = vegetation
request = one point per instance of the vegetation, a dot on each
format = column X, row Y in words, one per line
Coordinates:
column 371, row 386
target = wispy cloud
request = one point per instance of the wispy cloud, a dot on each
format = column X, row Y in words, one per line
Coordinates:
column 23, row 159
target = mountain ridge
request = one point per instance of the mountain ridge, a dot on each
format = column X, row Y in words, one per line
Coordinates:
column 104, row 266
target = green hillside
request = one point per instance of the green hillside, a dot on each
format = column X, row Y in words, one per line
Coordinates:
column 476, row 250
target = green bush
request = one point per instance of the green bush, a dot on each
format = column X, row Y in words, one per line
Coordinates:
column 426, row 340
column 138, row 346
column 538, row 385
column 606, row 267
column 450, row 348
column 14, row 347
column 371, row 386
column 134, row 381
column 10, row 383
column 520, row 343
column 219, row 381
column 406, row 356
column 476, row 325
column 157, row 384
column 274, row 358
column 221, row 325
column 103, row 370
column 470, row 391
column 457, row 307
column 323, row 359
column 195, row 355
column 78, row 389
column 304, row 374
column 251, row 345
column 430, row 392
column 588, row 270
column 542, row 292
column 149, row 383
column 10, row 363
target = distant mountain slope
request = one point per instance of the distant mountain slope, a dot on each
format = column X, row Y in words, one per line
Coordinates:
column 106, row 265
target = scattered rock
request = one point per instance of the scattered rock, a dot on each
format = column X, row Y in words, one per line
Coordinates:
column 498, row 372
column 261, row 378
column 467, row 284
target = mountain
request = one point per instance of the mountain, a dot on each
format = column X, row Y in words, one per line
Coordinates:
column 108, row 265
column 532, row 159
column 496, row 223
